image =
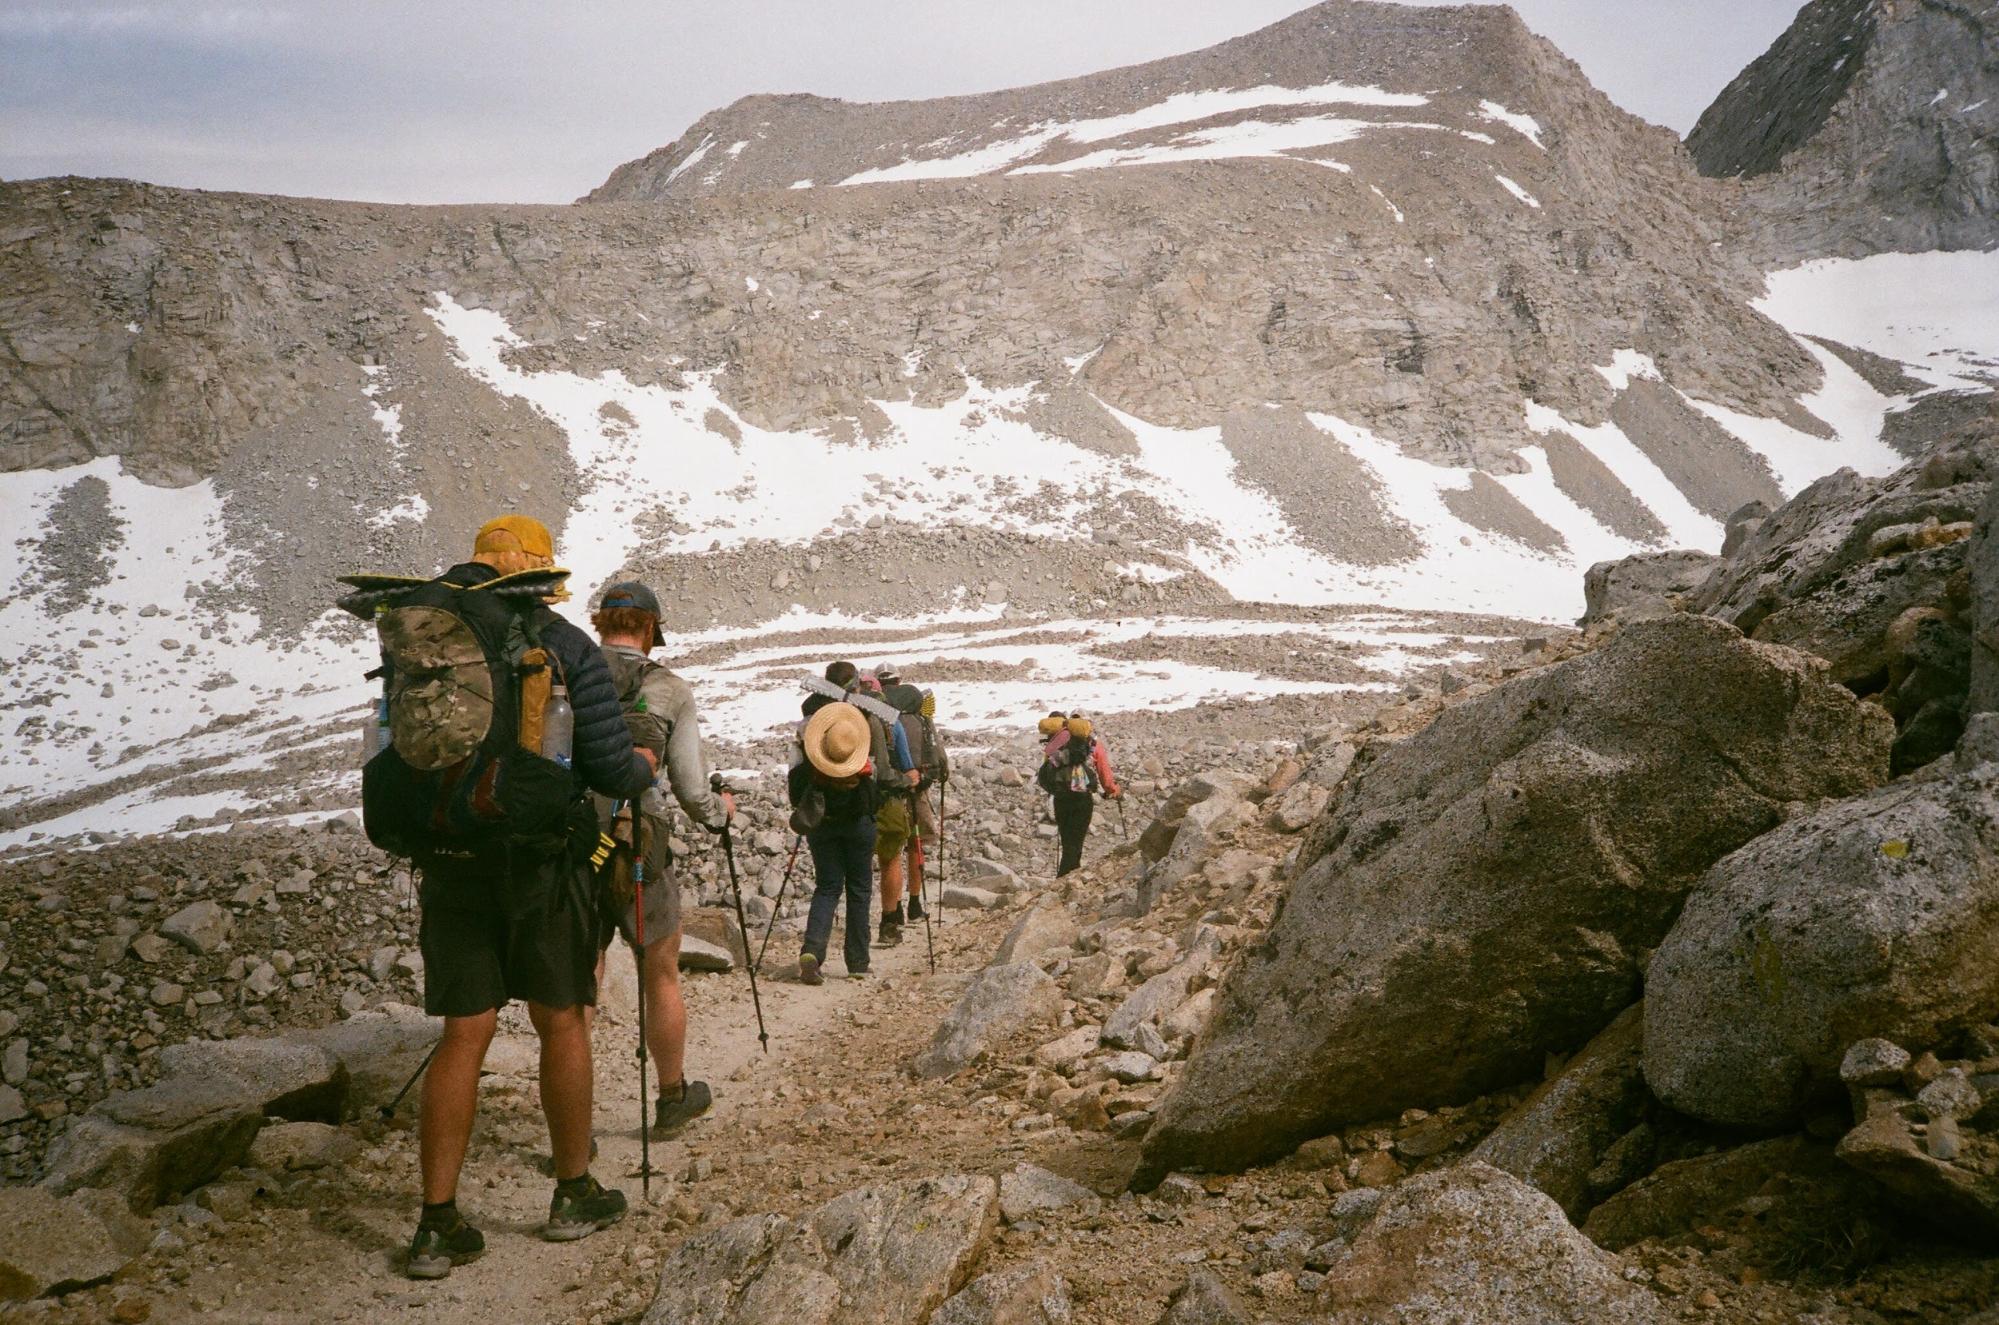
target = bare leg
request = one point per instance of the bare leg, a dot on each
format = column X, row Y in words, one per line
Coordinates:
column 566, row 1085
column 450, row 1101
column 891, row 885
column 666, row 1012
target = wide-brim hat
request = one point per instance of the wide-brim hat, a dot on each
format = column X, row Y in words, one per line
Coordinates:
column 836, row 740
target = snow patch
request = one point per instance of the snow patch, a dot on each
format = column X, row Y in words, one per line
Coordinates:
column 1525, row 125
column 1517, row 191
column 693, row 159
column 1936, row 313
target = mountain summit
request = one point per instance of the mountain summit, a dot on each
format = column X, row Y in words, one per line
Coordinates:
column 1870, row 126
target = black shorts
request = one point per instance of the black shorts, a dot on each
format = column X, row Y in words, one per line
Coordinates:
column 491, row 935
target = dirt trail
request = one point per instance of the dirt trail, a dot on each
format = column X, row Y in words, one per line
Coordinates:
column 331, row 1248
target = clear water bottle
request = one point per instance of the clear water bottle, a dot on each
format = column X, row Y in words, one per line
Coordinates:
column 375, row 736
column 558, row 727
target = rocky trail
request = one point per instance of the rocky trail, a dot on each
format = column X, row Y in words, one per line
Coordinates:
column 1104, row 1105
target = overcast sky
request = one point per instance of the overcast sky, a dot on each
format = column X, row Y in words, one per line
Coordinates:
column 536, row 100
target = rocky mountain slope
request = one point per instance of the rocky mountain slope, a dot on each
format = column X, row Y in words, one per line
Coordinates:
column 1870, row 126
column 1008, row 1139
column 1380, row 306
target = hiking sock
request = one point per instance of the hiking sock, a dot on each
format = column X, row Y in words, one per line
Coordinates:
column 443, row 1216
column 571, row 1188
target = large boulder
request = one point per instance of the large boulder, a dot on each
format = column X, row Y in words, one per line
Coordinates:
column 1651, row 584
column 1871, row 575
column 1875, row 916
column 1032, row 1294
column 1474, row 1246
column 284, row 1077
column 1557, row 1136
column 1684, row 1193
column 1488, row 888
column 1000, row 1002
column 201, row 927
column 886, row 1255
column 1045, row 928
column 153, row 1144
column 380, row 1049
column 53, row 1244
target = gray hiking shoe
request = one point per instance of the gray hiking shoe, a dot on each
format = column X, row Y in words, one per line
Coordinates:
column 808, row 970
column 890, row 934
column 669, row 1116
column 433, row 1251
column 579, row 1213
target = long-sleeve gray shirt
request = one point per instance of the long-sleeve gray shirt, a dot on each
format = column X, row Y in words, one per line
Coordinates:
column 670, row 700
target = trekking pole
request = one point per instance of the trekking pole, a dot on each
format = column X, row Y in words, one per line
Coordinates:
column 771, row 924
column 742, row 922
column 388, row 1110
column 639, row 961
column 943, row 842
column 1124, row 824
column 916, row 881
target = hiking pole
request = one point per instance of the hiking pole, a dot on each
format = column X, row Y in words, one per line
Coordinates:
column 771, row 924
column 388, row 1110
column 1124, row 824
column 639, row 961
column 943, row 840
column 916, row 881
column 742, row 922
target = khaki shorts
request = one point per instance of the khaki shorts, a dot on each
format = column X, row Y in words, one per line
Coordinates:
column 891, row 828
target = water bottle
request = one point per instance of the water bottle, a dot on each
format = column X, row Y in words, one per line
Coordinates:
column 558, row 727
column 375, row 736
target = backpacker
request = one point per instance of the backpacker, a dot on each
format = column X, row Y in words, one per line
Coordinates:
column 1070, row 770
column 613, row 864
column 920, row 731
column 467, row 682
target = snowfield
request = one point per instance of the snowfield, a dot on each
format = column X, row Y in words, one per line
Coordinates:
column 151, row 671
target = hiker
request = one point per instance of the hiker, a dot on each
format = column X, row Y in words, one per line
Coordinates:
column 842, row 761
column 659, row 712
column 513, row 918
column 1075, row 768
column 895, row 817
column 933, row 767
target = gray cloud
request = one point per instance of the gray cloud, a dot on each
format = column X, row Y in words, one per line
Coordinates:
column 525, row 101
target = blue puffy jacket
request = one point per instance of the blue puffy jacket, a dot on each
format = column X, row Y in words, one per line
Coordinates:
column 602, row 753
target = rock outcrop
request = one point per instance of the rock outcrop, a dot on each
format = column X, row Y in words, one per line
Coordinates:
column 886, row 1255
column 1000, row 1002
column 1874, row 916
column 1870, row 125
column 1486, row 889
column 1474, row 1246
column 1557, row 1137
column 1639, row 588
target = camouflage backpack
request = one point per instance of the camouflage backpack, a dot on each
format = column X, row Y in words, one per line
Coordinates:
column 467, row 682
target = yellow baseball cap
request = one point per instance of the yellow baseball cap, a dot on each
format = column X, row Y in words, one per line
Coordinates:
column 515, row 533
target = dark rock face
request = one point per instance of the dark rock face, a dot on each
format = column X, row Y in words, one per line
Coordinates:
column 1479, row 894
column 1651, row 584
column 1782, row 100
column 1871, row 125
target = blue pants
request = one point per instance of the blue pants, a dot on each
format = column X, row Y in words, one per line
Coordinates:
column 843, row 857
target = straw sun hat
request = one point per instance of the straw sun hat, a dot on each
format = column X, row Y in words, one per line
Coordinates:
column 836, row 740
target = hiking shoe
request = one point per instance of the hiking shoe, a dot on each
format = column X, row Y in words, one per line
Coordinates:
column 433, row 1251
column 808, row 970
column 915, row 907
column 581, row 1212
column 669, row 1116
column 861, row 974
column 891, row 932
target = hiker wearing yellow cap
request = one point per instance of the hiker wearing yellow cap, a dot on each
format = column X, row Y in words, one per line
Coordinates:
column 520, row 923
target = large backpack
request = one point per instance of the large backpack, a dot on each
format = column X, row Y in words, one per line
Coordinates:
column 1070, row 770
column 917, row 708
column 467, row 682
